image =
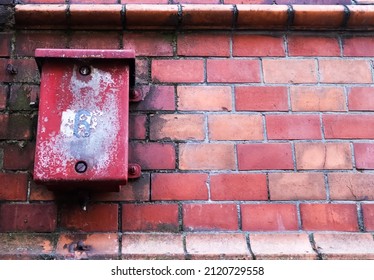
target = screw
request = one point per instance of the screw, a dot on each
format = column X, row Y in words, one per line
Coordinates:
column 85, row 70
column 81, row 167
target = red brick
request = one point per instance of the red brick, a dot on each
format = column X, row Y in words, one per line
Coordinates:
column 178, row 71
column 249, row 98
column 361, row 99
column 293, row 127
column 317, row 99
column 20, row 97
column 13, row 186
column 155, row 98
column 15, row 127
column 265, row 156
column 94, row 40
column 351, row 186
column 27, row 42
column 197, row 1
column 27, row 70
column 93, row 1
column 364, row 155
column 177, row 127
column 97, row 217
column 150, row 217
column 203, row 44
column 257, row 45
column 206, row 156
column 5, row 44
column 269, row 217
column 345, row 71
column 349, row 126
column 238, row 187
column 153, row 155
column 207, row 16
column 142, row 71
column 144, row 1
column 209, row 246
column 28, row 217
column 235, row 127
column 19, row 156
column 368, row 212
column 248, row 1
column 149, row 43
column 137, row 126
column 96, row 17
column 290, row 71
column 210, row 217
column 3, row 96
column 41, row 193
column 226, row 70
column 313, row 46
column 358, row 46
column 338, row 217
column 323, row 156
column 204, row 98
column 179, row 186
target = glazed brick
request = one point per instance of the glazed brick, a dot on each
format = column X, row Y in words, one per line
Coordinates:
column 368, row 212
column 313, row 46
column 27, row 42
column 204, row 98
column 5, row 44
column 155, row 98
column 351, row 186
column 338, row 217
column 28, row 217
column 257, row 45
column 3, row 96
column 248, row 98
column 265, row 156
column 297, row 186
column 349, row 126
column 97, row 217
column 280, row 246
column 358, row 46
column 206, row 156
column 235, row 127
column 238, row 187
column 209, row 217
column 293, row 127
column 15, row 127
column 226, row 70
column 150, row 217
column 20, row 97
column 153, row 155
column 149, row 43
column 345, row 71
column 289, row 71
column 177, row 127
column 142, row 71
column 178, row 71
column 361, row 99
column 364, row 155
column 18, row 156
column 274, row 217
column 179, row 186
column 94, row 40
column 317, row 99
column 209, row 246
column 137, row 126
column 27, row 70
column 323, row 156
column 13, row 186
column 205, row 44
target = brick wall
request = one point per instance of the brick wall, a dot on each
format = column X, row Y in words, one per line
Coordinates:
column 252, row 143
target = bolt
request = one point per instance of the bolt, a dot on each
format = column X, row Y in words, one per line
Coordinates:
column 132, row 170
column 81, row 167
column 85, row 70
column 11, row 69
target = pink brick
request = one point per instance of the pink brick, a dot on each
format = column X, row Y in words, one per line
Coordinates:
column 349, row 126
column 149, row 43
column 313, row 46
column 364, row 155
column 203, row 45
column 351, row 186
column 152, row 155
column 358, row 46
column 178, row 71
column 361, row 99
column 368, row 212
column 257, row 45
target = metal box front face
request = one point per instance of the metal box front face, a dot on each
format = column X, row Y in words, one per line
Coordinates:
column 82, row 134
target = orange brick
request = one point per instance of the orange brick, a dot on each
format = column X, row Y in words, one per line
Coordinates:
column 358, row 46
column 290, row 71
column 349, row 126
column 274, row 217
column 351, row 186
column 313, row 46
column 248, row 98
column 361, row 99
column 178, row 71
column 323, row 156
column 368, row 211
column 177, row 127
column 203, row 44
column 226, row 70
column 204, row 98
column 293, row 127
column 149, row 43
column 235, row 127
column 297, row 186
column 317, row 99
column 206, row 156
column 238, row 187
column 337, row 217
column 345, row 71
column 257, row 45
column 364, row 155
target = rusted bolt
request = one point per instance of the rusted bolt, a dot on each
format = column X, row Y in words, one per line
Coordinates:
column 132, row 170
column 85, row 70
column 11, row 69
column 81, row 166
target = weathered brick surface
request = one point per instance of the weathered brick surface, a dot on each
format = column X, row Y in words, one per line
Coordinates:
column 178, row 71
column 257, row 45
column 313, row 46
column 149, row 43
column 351, row 186
column 345, row 71
column 368, row 212
column 203, row 45
column 361, row 99
column 348, row 126
column 364, row 155
column 13, row 186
